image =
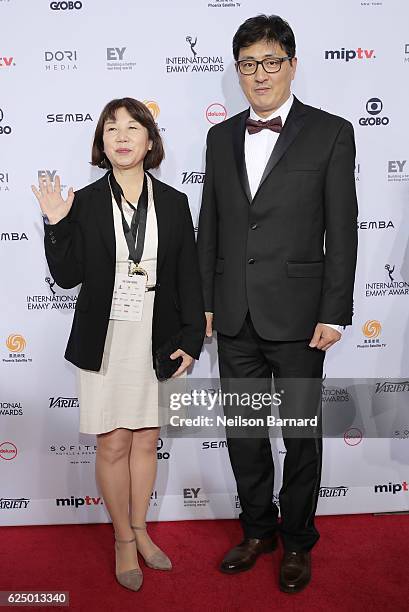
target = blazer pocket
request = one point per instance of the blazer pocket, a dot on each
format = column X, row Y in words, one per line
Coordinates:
column 303, row 170
column 219, row 265
column 305, row 269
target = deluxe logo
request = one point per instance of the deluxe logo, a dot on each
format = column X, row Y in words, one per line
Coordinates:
column 392, row 488
column 8, row 451
column 193, row 177
column 375, row 225
column 4, row 181
column 333, row 491
column 61, row 60
column 11, row 409
column 397, row 172
column 7, row 62
column 194, row 62
column 66, row 6
column 401, row 386
column 347, row 55
column 374, row 107
column 116, row 61
column 10, row 503
column 216, row 113
column 353, row 436
column 13, row 236
column 77, row 502
column 68, row 118
column 4, row 129
column 64, row 402
column 153, row 107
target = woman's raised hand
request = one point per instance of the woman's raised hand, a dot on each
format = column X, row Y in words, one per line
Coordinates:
column 51, row 202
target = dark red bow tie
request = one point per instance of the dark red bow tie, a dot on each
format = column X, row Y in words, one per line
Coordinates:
column 254, row 126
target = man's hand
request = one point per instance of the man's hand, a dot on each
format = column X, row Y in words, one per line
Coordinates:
column 209, row 324
column 324, row 337
column 187, row 360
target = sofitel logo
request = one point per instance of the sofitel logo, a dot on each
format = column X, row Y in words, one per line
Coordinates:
column 333, row 491
column 194, row 62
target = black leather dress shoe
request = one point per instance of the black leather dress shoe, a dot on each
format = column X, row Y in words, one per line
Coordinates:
column 243, row 557
column 295, row 571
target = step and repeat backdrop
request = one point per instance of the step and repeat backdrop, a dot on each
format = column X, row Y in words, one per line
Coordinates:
column 60, row 62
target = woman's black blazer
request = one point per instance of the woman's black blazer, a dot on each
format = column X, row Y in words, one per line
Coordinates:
column 81, row 249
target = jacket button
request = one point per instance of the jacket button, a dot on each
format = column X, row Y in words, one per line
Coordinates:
column 251, row 261
column 254, row 226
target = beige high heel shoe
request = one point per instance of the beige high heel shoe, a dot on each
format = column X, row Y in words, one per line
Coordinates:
column 158, row 560
column 132, row 579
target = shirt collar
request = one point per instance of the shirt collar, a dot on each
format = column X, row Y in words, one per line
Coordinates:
column 282, row 111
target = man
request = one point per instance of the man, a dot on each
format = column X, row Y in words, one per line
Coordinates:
column 277, row 249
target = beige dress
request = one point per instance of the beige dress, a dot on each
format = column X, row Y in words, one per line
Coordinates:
column 124, row 393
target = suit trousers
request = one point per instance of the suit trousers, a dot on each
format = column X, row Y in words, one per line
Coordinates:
column 247, row 363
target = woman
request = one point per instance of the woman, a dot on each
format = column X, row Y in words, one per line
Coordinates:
column 128, row 239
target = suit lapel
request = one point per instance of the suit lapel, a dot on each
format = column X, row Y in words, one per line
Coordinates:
column 103, row 213
column 239, row 130
column 294, row 123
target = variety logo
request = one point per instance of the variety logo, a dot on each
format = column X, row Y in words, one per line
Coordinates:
column 10, row 503
column 392, row 488
column 397, row 172
column 8, row 451
column 192, row 499
column 193, row 177
column 68, row 117
column 353, row 436
column 347, row 55
column 374, row 107
column 66, row 6
column 4, row 181
column 401, row 386
column 376, row 225
column 194, row 62
column 16, row 344
column 61, row 60
column 333, row 491
column 7, row 62
column 386, row 289
column 116, row 59
column 4, row 129
column 64, row 402
column 77, row 502
column 216, row 113
column 11, row 409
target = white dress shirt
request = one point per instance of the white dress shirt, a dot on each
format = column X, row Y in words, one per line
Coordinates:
column 258, row 148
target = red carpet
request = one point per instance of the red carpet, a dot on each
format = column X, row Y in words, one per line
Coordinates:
column 361, row 562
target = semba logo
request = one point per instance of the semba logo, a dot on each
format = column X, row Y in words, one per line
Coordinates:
column 350, row 54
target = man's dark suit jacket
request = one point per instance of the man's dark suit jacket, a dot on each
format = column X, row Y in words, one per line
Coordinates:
column 81, row 249
column 266, row 254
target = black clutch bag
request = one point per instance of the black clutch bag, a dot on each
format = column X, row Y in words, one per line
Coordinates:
column 165, row 367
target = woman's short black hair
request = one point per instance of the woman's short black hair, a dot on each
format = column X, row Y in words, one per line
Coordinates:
column 270, row 28
column 140, row 113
